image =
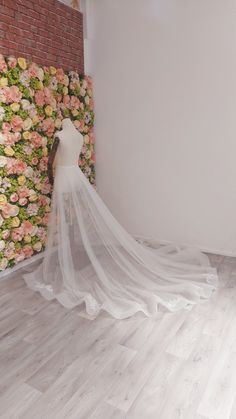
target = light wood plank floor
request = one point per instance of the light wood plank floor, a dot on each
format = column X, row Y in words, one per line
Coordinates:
column 59, row 364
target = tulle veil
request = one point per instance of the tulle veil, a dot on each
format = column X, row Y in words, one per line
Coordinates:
column 90, row 258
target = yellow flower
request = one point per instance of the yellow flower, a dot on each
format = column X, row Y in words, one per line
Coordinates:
column 38, row 186
column 21, row 180
column 74, row 112
column 15, row 222
column 40, row 85
column 27, row 238
column 3, row 200
column 53, row 70
column 26, row 135
column 45, row 152
column 58, row 123
column 48, row 110
column 66, row 80
column 65, row 90
column 47, row 208
column 37, row 246
column 15, row 107
column 3, row 81
column 33, row 197
column 9, row 151
column 35, row 120
column 22, row 63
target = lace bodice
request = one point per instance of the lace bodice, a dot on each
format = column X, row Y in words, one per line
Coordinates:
column 70, row 146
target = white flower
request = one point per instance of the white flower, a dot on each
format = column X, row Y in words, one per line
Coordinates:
column 3, row 161
column 2, row 113
column 25, row 78
column 2, row 245
column 25, row 104
column 29, row 172
column 27, row 124
column 2, row 138
column 88, row 154
column 40, row 74
column 3, row 264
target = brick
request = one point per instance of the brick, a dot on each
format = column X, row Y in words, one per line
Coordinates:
column 46, row 31
column 7, row 11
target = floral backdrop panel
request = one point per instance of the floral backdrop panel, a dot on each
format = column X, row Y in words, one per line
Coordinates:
column 33, row 102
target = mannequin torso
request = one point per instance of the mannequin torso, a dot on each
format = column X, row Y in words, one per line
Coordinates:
column 70, row 144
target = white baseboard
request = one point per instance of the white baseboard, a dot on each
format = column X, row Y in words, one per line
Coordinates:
column 203, row 249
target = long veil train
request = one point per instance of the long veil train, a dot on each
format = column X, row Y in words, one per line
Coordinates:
column 91, row 258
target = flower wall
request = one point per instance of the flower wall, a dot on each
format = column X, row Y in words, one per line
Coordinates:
column 33, row 101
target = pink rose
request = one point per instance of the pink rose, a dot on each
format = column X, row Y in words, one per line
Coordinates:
column 12, row 62
column 28, row 150
column 74, row 102
column 32, row 209
column 19, row 256
column 39, row 98
column 48, row 126
column 12, row 138
column 46, row 187
column 14, row 94
column 82, row 162
column 6, row 127
column 93, row 157
column 42, row 234
column 43, row 164
column 15, row 167
column 9, row 210
column 14, row 197
column 33, row 70
column 3, row 65
column 17, row 234
column 43, row 200
column 66, row 101
column 36, row 139
column 23, row 201
column 23, row 192
column 16, row 123
column 35, row 161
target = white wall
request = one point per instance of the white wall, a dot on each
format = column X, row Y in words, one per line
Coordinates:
column 165, row 90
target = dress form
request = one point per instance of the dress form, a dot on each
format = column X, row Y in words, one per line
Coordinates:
column 70, row 145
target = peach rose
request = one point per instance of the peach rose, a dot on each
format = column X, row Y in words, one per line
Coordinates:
column 27, row 226
column 16, row 123
column 28, row 251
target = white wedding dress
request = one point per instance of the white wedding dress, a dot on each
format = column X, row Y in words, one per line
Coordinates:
column 91, row 259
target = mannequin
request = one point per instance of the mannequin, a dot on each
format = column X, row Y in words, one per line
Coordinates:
column 66, row 147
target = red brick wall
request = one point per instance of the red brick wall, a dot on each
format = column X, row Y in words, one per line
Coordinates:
column 45, row 31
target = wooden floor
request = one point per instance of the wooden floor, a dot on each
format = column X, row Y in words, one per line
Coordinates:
column 58, row 364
